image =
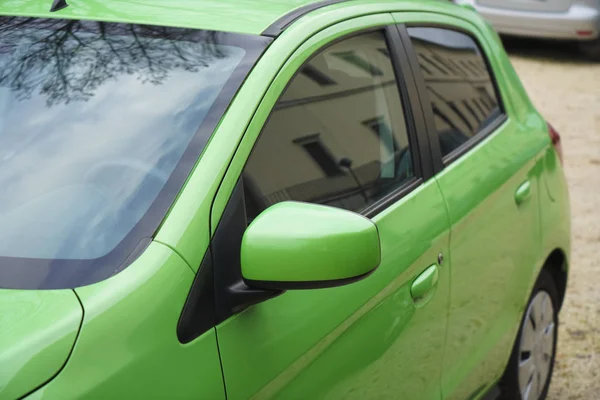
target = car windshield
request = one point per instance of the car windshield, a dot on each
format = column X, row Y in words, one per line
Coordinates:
column 95, row 120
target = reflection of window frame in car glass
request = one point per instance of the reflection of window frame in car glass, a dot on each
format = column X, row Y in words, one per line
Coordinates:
column 359, row 62
column 317, row 76
column 493, row 118
column 332, row 62
column 323, row 157
column 57, row 273
column 380, row 126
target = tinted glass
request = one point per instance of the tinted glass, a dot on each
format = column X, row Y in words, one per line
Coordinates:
column 337, row 135
column 94, row 121
column 459, row 85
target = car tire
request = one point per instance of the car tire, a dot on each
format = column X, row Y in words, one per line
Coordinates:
column 529, row 370
column 591, row 49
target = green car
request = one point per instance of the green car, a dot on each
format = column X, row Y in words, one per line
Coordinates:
column 273, row 199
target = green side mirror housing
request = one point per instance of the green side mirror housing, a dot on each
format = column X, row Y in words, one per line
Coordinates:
column 294, row 245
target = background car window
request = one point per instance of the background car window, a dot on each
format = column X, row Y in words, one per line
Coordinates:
column 337, row 136
column 459, row 85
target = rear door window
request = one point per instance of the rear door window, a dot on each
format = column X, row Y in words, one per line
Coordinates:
column 460, row 87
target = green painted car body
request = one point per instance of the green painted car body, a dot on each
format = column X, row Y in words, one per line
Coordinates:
column 457, row 252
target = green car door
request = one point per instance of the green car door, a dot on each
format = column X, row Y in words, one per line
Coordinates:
column 336, row 128
column 489, row 177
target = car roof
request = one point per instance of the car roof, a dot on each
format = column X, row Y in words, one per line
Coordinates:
column 242, row 16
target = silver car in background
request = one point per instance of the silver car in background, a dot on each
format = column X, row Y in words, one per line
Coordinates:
column 557, row 19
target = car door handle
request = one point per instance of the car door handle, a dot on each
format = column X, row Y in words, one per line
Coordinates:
column 423, row 287
column 523, row 192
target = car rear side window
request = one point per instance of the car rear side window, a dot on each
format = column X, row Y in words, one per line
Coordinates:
column 459, row 84
column 337, row 135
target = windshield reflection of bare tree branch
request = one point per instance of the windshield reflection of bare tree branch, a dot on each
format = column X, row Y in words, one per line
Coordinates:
column 68, row 60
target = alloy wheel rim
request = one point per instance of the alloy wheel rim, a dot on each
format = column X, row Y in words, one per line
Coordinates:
column 537, row 346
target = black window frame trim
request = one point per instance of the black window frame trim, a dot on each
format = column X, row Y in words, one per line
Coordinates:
column 281, row 24
column 441, row 162
column 392, row 198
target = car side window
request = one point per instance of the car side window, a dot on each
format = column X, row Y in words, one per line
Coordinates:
column 337, row 135
column 459, row 84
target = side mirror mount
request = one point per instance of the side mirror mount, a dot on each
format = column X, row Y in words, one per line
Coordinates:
column 294, row 245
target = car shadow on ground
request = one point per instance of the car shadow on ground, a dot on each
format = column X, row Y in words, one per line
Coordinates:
column 545, row 50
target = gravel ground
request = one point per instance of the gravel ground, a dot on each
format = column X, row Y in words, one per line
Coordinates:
column 566, row 90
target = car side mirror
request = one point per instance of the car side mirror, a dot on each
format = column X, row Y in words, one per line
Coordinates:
column 294, row 245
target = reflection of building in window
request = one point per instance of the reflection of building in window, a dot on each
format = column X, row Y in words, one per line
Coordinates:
column 359, row 62
column 488, row 100
column 459, row 85
column 396, row 162
column 384, row 51
column 432, row 66
column 380, row 127
column 347, row 93
column 454, row 107
column 471, row 110
column 317, row 76
column 320, row 154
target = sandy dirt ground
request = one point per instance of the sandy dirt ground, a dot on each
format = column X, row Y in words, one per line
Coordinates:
column 566, row 89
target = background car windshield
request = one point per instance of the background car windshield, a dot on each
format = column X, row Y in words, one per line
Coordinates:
column 94, row 119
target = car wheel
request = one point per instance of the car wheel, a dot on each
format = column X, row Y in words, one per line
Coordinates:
column 529, row 370
column 591, row 49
